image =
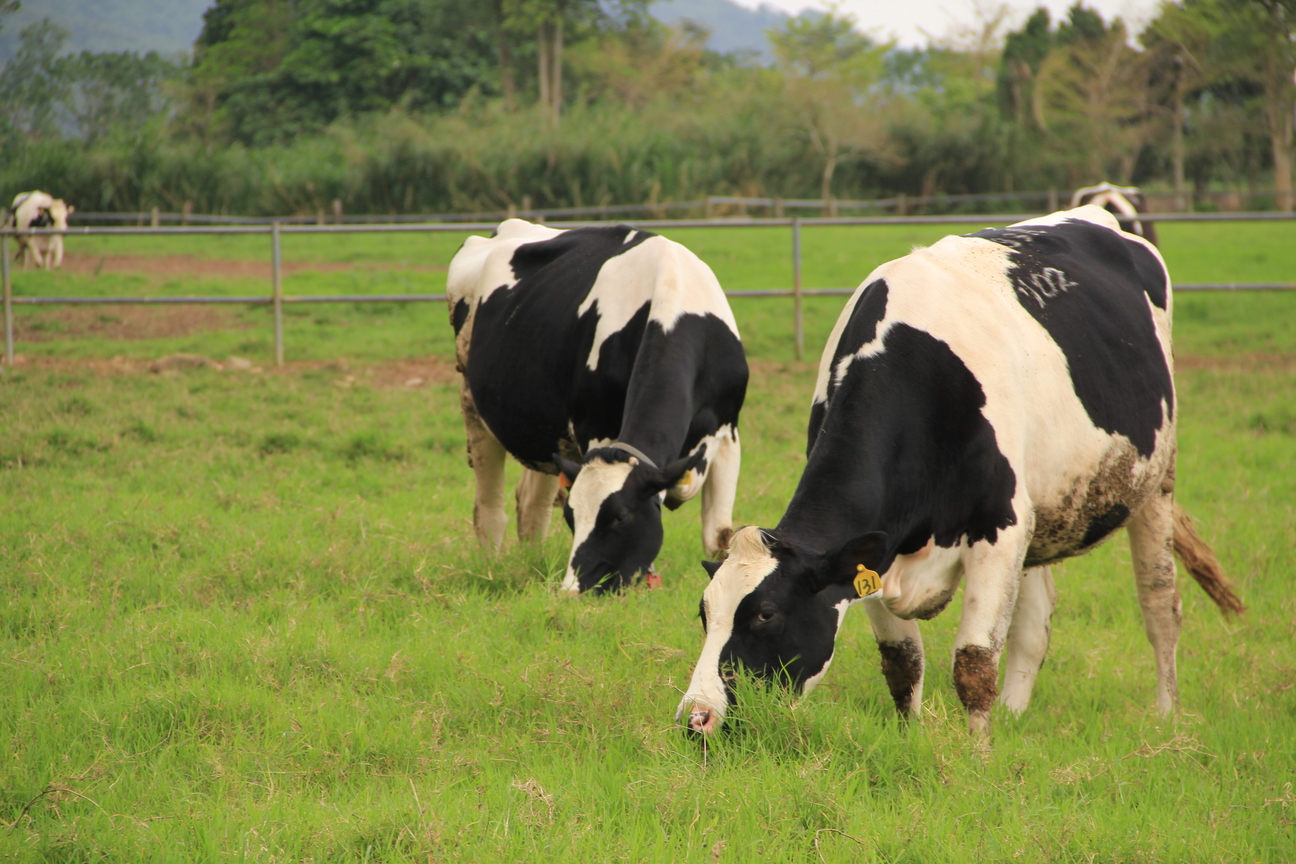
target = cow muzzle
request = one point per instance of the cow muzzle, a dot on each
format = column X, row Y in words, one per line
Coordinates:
column 702, row 719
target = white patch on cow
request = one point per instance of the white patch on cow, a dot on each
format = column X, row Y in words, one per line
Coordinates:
column 748, row 564
column 661, row 272
column 484, row 264
column 634, row 232
column 596, row 481
column 925, row 580
column 813, row 681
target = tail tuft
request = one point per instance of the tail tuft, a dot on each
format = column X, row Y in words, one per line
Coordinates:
column 1203, row 565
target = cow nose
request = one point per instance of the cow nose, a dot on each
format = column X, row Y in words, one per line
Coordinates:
column 701, row 722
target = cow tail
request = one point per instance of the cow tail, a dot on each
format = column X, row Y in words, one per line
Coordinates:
column 1203, row 565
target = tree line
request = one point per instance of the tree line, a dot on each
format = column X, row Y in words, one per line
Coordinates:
column 476, row 105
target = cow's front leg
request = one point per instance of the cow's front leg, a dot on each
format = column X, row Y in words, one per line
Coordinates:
column 991, row 577
column 535, row 501
column 1151, row 535
column 719, row 494
column 1028, row 637
column 900, row 644
column 486, row 455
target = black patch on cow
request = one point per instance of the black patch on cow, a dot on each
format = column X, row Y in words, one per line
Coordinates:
column 903, row 449
column 44, row 219
column 860, row 330
column 1089, row 287
column 458, row 315
column 1105, row 524
column 781, row 631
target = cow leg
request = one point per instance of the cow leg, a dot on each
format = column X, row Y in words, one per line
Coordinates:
column 1151, row 535
column 486, row 455
column 535, row 498
column 1028, row 637
column 900, row 644
column 718, row 495
column 991, row 577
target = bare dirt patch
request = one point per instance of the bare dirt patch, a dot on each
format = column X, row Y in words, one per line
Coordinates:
column 409, row 373
column 124, row 322
column 1247, row 362
column 181, row 266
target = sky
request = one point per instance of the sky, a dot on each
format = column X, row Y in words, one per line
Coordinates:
column 908, row 20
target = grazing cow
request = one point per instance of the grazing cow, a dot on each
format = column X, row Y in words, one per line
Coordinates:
column 985, row 407
column 39, row 210
column 1125, row 202
column 607, row 357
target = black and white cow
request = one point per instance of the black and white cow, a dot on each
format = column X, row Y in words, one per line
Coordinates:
column 608, row 356
column 985, row 407
column 39, row 210
column 1126, row 203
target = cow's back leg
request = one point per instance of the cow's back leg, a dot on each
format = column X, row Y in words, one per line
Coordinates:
column 535, row 500
column 1151, row 534
column 991, row 577
column 719, row 494
column 900, row 644
column 1028, row 637
column 486, row 455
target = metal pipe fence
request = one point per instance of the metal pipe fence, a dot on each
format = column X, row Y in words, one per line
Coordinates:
column 276, row 229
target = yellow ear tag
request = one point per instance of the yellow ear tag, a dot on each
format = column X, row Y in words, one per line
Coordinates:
column 866, row 581
column 686, row 480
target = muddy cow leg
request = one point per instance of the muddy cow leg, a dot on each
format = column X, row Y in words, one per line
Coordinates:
column 486, row 455
column 1028, row 637
column 900, row 644
column 991, row 577
column 1151, row 534
column 535, row 496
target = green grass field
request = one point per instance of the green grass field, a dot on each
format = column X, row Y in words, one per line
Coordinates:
column 242, row 616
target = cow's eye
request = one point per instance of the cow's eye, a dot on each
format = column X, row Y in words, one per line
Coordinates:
column 765, row 614
column 623, row 518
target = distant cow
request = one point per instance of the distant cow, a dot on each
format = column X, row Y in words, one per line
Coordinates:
column 39, row 210
column 1126, row 203
column 985, row 407
column 607, row 356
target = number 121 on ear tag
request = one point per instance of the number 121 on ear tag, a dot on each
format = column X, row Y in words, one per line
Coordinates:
column 866, row 581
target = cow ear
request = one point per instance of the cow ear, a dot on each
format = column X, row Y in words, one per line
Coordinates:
column 711, row 567
column 856, row 559
column 674, row 472
column 567, row 470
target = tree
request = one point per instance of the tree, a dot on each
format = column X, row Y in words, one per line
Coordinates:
column 1090, row 98
column 831, row 71
column 34, row 83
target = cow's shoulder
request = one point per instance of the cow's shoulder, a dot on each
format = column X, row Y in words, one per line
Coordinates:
column 484, row 264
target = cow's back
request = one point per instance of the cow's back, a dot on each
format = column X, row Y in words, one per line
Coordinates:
column 1064, row 326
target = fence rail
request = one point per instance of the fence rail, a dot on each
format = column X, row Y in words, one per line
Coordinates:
column 276, row 229
column 900, row 205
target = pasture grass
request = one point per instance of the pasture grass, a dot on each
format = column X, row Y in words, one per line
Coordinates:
column 243, row 618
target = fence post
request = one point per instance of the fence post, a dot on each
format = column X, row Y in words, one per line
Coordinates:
column 185, row 212
column 1052, row 201
column 337, row 210
column 155, row 218
column 8, row 299
column 276, row 285
column 796, row 286
column 902, row 204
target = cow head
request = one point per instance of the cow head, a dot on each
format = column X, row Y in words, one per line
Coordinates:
column 772, row 608
column 614, row 511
